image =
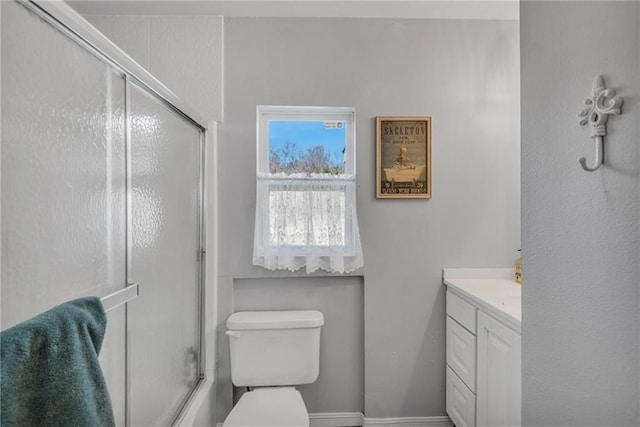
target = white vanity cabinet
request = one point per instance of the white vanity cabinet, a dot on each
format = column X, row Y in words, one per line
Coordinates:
column 483, row 348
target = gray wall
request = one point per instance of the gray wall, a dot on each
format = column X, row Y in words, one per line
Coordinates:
column 465, row 74
column 580, row 230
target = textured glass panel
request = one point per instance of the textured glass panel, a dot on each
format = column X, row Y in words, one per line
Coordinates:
column 163, row 321
column 63, row 178
column 113, row 361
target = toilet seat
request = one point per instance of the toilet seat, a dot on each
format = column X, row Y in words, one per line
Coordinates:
column 269, row 406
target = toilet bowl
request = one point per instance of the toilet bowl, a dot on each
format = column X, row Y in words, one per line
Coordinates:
column 272, row 352
column 269, row 406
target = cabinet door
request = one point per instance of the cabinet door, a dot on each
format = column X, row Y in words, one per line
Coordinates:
column 498, row 388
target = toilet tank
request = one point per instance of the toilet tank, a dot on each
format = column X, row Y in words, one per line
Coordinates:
column 271, row 348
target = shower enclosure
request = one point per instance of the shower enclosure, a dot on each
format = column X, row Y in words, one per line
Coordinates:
column 102, row 177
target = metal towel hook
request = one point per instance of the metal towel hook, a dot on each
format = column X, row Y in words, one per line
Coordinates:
column 603, row 102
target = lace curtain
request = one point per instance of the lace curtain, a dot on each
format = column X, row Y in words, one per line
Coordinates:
column 307, row 221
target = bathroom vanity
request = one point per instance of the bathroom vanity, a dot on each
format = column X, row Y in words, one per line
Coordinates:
column 484, row 314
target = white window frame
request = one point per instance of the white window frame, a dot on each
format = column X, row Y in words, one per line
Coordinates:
column 267, row 113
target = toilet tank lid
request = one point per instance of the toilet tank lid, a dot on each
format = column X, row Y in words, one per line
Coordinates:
column 289, row 319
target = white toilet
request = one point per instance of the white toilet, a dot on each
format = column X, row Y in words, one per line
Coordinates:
column 272, row 352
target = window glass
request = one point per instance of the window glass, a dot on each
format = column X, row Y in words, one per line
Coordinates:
column 305, row 141
column 307, row 146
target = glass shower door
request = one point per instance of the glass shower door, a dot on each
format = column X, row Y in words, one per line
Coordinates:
column 67, row 168
column 164, row 324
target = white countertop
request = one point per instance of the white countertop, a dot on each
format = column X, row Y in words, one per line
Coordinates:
column 492, row 290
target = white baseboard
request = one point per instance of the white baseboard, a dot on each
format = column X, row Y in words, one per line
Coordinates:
column 442, row 421
column 338, row 419
column 356, row 419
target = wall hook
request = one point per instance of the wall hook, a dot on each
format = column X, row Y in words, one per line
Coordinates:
column 603, row 102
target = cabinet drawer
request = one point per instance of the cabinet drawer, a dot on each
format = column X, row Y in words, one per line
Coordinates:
column 461, row 352
column 462, row 311
column 461, row 402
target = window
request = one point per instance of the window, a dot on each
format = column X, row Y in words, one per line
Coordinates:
column 306, row 204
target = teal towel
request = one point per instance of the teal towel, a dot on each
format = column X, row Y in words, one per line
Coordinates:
column 50, row 374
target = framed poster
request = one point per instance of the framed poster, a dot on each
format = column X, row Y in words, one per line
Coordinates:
column 403, row 157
